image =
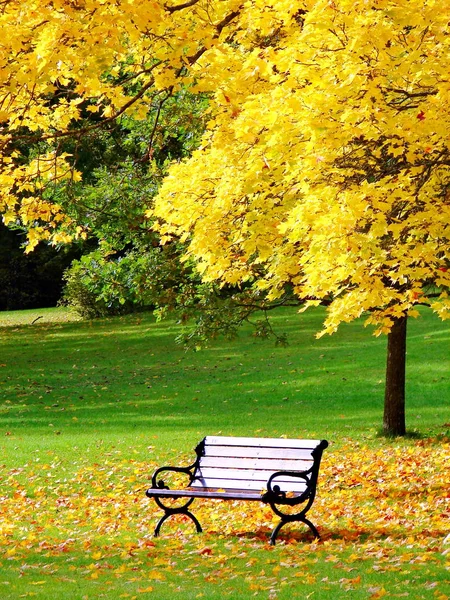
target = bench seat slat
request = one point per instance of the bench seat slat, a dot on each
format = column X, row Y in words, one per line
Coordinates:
column 217, row 493
column 260, row 452
column 214, row 440
column 269, row 464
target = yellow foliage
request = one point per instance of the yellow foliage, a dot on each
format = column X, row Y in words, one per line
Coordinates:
column 330, row 174
column 325, row 164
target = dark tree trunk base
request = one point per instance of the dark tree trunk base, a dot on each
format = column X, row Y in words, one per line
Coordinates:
column 394, row 400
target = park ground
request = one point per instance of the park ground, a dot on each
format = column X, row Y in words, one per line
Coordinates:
column 89, row 409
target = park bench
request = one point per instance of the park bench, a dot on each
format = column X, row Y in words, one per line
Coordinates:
column 279, row 472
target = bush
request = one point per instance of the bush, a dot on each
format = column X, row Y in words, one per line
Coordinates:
column 78, row 295
column 101, row 283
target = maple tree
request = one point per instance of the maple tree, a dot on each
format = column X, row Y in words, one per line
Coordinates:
column 325, row 166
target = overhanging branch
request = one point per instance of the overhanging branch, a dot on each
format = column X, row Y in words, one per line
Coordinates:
column 172, row 9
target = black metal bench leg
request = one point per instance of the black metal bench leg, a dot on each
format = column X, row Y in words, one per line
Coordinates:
column 180, row 510
column 177, row 512
column 283, row 522
column 312, row 527
column 160, row 522
column 194, row 518
column 276, row 531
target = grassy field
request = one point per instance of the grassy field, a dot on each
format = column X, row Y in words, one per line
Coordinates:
column 89, row 409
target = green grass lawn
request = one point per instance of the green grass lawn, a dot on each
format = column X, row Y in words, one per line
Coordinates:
column 89, row 409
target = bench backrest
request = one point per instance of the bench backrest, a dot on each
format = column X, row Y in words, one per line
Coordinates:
column 247, row 463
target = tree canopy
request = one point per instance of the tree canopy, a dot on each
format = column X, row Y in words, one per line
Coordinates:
column 324, row 168
column 325, row 164
column 327, row 159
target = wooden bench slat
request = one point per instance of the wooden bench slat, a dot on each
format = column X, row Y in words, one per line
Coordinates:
column 215, row 440
column 242, row 474
column 233, row 484
column 260, row 452
column 267, row 464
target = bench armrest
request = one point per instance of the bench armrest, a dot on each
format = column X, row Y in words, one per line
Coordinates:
column 190, row 470
column 276, row 495
column 160, row 484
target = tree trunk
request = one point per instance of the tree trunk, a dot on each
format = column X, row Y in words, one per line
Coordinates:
column 394, row 398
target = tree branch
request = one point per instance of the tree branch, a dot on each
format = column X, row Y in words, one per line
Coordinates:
column 187, row 4
column 83, row 130
column 219, row 28
column 149, row 152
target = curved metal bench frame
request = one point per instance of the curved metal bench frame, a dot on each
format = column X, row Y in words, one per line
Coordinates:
column 274, row 495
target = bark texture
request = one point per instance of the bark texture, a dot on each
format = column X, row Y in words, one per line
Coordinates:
column 394, row 423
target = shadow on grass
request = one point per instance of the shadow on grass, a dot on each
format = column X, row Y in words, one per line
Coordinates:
column 414, row 434
column 360, row 536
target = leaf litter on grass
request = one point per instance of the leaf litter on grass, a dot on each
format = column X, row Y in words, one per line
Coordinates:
column 383, row 513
